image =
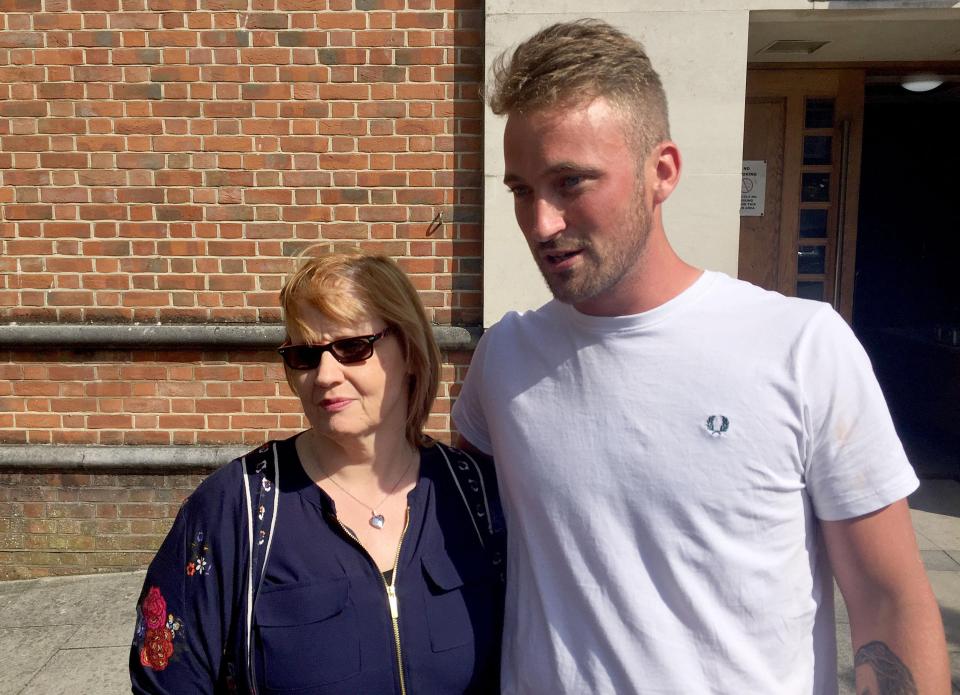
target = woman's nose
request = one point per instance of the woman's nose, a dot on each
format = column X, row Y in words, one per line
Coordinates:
column 329, row 371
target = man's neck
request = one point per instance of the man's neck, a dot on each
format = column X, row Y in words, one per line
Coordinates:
column 660, row 276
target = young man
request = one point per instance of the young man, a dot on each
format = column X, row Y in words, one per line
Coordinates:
column 686, row 460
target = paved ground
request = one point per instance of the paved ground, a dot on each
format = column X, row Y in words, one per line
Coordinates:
column 71, row 635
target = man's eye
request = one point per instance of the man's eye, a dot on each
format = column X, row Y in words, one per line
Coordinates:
column 519, row 191
column 570, row 181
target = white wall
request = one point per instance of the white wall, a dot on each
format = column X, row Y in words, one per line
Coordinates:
column 699, row 47
column 701, row 57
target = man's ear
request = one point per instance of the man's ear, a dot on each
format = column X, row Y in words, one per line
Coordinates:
column 663, row 170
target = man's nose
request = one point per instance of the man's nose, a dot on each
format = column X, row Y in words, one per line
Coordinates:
column 547, row 220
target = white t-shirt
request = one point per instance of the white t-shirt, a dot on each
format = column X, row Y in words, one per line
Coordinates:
column 662, row 475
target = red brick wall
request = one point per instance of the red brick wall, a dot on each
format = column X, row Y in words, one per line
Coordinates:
column 163, row 398
column 78, row 523
column 164, row 161
column 58, row 523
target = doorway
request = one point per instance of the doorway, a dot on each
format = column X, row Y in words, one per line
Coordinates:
column 861, row 211
column 802, row 134
column 906, row 308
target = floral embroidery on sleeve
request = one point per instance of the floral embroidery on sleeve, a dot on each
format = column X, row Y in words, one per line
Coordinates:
column 199, row 564
column 157, row 629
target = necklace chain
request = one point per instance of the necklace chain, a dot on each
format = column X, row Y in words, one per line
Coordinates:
column 377, row 521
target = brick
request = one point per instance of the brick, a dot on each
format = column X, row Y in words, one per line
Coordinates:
column 183, row 39
column 227, row 110
column 301, row 5
column 219, row 39
column 136, row 56
column 252, row 91
column 175, row 73
column 28, row 212
column 23, row 109
column 172, row 5
column 21, row 39
column 136, row 92
column 128, row 126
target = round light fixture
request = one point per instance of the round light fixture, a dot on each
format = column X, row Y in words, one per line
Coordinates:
column 921, row 82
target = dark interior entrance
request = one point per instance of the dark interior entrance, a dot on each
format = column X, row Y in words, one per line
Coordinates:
column 906, row 307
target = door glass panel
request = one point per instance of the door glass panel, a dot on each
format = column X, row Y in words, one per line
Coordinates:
column 813, row 224
column 811, row 260
column 819, row 113
column 816, row 149
column 810, row 290
column 815, row 188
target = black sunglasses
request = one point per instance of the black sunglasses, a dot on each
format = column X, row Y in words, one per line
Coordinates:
column 344, row 351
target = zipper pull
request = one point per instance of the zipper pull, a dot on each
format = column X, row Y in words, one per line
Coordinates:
column 392, row 599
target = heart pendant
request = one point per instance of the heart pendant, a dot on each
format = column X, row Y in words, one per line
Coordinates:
column 377, row 521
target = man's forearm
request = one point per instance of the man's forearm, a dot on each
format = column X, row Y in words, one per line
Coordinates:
column 899, row 648
column 898, row 641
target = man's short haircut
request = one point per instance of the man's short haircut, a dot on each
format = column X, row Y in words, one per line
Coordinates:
column 574, row 62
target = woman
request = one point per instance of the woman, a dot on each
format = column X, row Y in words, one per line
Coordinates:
column 358, row 557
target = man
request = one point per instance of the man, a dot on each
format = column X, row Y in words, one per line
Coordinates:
column 682, row 456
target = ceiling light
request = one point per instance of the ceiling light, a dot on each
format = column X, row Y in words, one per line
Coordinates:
column 921, row 82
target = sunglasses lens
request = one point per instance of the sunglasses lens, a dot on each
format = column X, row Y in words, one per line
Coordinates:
column 301, row 356
column 352, row 350
column 345, row 351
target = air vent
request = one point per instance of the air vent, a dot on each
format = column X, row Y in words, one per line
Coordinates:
column 794, row 47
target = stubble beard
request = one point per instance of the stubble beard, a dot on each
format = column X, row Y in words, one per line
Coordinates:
column 600, row 270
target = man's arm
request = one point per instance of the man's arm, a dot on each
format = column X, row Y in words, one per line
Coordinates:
column 464, row 445
column 895, row 625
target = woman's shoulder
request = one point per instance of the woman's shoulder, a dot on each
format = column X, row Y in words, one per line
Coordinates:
column 460, row 461
column 226, row 489
column 471, row 475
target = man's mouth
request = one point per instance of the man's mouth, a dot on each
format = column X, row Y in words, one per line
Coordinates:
column 556, row 258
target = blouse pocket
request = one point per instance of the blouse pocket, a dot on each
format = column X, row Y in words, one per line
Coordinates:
column 458, row 599
column 308, row 635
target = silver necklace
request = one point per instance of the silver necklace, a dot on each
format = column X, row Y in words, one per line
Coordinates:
column 376, row 520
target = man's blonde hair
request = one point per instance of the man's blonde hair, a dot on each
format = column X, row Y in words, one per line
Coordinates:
column 351, row 287
column 574, row 62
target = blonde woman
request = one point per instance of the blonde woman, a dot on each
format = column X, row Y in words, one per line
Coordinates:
column 358, row 556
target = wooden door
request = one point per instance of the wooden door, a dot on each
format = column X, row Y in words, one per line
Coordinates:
column 806, row 126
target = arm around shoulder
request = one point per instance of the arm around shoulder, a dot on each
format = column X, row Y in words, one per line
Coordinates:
column 895, row 624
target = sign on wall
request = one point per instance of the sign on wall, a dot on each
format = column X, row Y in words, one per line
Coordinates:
column 753, row 188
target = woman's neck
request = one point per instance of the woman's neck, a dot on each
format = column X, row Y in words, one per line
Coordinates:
column 378, row 459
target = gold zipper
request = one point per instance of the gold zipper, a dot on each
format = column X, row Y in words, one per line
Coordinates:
column 394, row 604
column 391, row 591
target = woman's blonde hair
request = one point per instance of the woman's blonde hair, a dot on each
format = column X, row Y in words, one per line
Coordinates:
column 353, row 286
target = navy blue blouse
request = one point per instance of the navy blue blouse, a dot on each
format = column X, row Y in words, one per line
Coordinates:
column 322, row 620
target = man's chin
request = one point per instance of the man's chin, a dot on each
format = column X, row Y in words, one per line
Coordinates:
column 566, row 292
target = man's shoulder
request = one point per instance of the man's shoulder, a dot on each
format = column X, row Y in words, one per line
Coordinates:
column 531, row 323
column 750, row 302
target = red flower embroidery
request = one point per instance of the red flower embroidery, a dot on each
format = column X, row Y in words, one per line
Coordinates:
column 191, row 568
column 154, row 609
column 157, row 648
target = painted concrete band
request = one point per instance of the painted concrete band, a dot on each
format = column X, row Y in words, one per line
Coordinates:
column 142, row 459
column 52, row 457
column 151, row 336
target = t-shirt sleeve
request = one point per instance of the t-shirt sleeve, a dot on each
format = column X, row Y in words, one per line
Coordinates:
column 854, row 461
column 468, row 412
column 182, row 612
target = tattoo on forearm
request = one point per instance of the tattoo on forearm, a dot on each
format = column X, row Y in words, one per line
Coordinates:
column 892, row 675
